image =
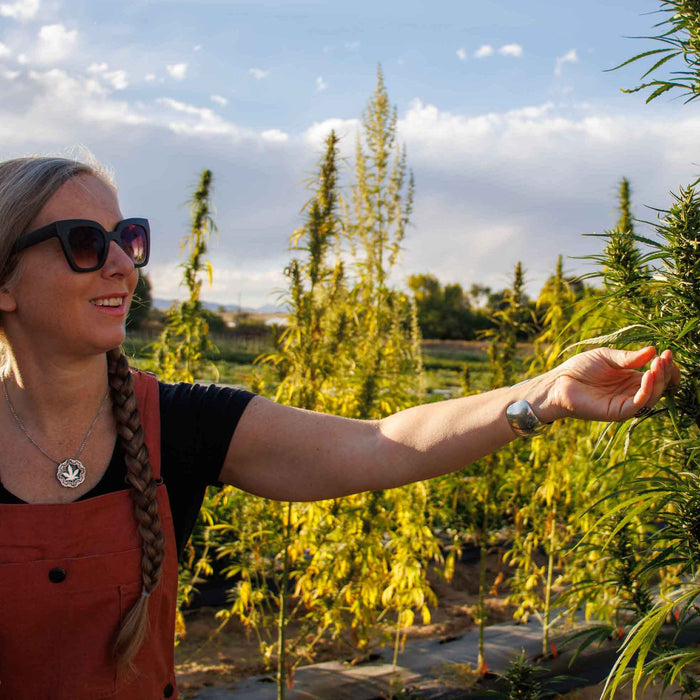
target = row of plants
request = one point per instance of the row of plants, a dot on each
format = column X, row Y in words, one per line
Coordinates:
column 598, row 518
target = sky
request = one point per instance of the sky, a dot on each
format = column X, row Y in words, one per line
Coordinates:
column 515, row 131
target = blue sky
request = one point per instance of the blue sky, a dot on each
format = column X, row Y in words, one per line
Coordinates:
column 516, row 135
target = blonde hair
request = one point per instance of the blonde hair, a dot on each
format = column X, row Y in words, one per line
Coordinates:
column 26, row 185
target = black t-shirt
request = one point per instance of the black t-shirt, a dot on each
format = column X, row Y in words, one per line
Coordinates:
column 196, row 426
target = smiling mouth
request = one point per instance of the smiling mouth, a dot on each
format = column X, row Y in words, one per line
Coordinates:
column 111, row 302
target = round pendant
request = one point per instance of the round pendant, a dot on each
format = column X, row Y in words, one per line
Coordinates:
column 70, row 473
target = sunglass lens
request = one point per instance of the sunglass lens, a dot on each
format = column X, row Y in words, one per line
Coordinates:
column 87, row 246
column 134, row 242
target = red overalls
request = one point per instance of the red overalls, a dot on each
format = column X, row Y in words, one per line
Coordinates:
column 68, row 574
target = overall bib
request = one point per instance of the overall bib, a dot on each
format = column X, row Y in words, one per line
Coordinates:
column 69, row 573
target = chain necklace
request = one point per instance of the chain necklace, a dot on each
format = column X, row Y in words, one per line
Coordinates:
column 71, row 471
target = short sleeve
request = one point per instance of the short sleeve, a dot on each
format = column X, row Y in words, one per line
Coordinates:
column 197, row 424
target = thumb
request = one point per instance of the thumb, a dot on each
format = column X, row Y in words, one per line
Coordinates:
column 633, row 359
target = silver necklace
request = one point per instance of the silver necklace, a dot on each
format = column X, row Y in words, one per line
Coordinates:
column 71, row 471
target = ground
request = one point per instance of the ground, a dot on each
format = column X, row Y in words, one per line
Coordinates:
column 205, row 659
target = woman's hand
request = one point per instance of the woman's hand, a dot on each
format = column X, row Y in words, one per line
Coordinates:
column 606, row 384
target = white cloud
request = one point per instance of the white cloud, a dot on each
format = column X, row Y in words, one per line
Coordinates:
column 204, row 122
column 484, row 51
column 116, row 78
column 258, row 73
column 149, row 77
column 514, row 50
column 461, row 54
column 219, row 100
column 55, row 43
column 177, row 70
column 320, row 84
column 352, row 45
column 274, row 136
column 345, row 129
column 568, row 57
column 21, row 9
column 198, row 47
column 10, row 74
column 4, row 50
column 227, row 284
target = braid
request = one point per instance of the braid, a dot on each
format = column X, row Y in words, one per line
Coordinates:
column 139, row 475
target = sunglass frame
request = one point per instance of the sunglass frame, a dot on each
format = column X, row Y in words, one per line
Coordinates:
column 61, row 230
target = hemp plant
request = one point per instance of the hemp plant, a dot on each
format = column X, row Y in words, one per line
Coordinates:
column 544, row 486
column 471, row 503
column 268, row 544
column 679, row 33
column 368, row 568
column 179, row 355
column 667, row 498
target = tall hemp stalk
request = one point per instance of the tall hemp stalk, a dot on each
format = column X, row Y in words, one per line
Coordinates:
column 309, row 360
column 665, row 497
column 471, row 506
column 351, row 348
column 544, row 502
column 179, row 356
column 370, row 563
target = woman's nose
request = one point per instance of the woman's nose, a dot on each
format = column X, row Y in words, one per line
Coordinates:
column 117, row 262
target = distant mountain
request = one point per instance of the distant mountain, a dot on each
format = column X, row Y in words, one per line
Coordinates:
column 165, row 304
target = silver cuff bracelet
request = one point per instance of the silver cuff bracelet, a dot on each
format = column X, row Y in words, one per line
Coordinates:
column 523, row 421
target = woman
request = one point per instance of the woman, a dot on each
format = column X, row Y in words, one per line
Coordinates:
column 88, row 568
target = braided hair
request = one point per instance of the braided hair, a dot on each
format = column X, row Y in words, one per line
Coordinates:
column 139, row 475
column 26, row 185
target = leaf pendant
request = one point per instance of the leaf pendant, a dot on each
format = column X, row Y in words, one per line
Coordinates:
column 70, row 473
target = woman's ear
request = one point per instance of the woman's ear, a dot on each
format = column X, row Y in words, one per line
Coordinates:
column 7, row 300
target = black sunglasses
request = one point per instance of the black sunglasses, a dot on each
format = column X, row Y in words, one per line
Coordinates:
column 85, row 243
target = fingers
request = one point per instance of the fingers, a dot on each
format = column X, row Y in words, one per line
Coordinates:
column 662, row 373
column 632, row 359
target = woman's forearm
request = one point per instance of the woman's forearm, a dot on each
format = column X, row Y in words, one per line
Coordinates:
column 433, row 439
column 287, row 453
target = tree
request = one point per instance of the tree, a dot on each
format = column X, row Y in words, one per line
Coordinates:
column 444, row 311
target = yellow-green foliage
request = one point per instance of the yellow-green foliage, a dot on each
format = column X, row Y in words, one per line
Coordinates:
column 179, row 354
column 356, row 566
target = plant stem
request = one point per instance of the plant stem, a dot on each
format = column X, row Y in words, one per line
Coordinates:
column 481, row 661
column 548, row 584
column 397, row 640
column 282, row 623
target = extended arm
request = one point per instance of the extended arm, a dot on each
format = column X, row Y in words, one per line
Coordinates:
column 291, row 454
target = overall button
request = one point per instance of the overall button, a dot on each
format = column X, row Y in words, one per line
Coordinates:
column 168, row 691
column 57, row 575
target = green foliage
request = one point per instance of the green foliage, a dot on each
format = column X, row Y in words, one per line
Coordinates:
column 387, row 357
column 512, row 319
column 354, row 568
column 679, row 33
column 179, row 355
column 624, row 271
column 445, row 311
column 556, row 305
column 522, row 680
